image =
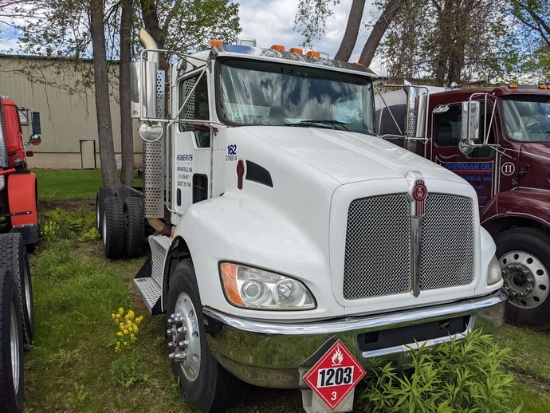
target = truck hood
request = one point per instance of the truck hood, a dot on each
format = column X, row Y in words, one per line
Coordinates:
column 346, row 156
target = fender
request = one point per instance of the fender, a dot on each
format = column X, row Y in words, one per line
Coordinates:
column 22, row 200
column 236, row 230
column 526, row 203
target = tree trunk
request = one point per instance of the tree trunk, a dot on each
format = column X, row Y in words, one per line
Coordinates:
column 352, row 31
column 126, row 133
column 103, row 108
column 378, row 30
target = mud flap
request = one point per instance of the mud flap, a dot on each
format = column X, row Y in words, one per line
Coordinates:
column 22, row 199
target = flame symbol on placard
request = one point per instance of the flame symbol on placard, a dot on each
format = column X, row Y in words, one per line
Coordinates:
column 337, row 357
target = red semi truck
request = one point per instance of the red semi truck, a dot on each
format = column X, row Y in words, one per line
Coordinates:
column 18, row 232
column 497, row 139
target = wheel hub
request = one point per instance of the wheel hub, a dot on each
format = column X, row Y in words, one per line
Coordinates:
column 525, row 278
column 184, row 337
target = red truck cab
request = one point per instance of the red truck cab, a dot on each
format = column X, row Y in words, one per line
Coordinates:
column 18, row 188
column 507, row 162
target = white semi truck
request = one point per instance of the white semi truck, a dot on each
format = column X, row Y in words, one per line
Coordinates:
column 283, row 224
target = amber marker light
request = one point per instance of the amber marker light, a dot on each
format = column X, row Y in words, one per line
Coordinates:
column 228, row 273
column 513, row 86
column 296, row 50
column 278, row 47
column 214, row 43
column 313, row 53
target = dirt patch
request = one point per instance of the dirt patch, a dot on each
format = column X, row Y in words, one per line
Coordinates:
column 66, row 204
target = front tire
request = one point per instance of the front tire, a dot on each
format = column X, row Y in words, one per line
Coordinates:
column 11, row 346
column 524, row 256
column 203, row 381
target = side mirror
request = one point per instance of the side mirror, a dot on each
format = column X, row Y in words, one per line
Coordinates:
column 470, row 121
column 36, row 128
column 35, row 140
column 470, row 126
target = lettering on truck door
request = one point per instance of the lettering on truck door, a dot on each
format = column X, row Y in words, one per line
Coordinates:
column 478, row 167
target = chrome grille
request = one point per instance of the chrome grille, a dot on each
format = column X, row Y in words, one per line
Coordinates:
column 378, row 257
column 447, row 248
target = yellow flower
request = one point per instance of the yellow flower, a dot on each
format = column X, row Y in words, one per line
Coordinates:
column 119, row 334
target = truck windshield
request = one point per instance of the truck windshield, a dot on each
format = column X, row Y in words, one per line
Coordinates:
column 527, row 118
column 268, row 93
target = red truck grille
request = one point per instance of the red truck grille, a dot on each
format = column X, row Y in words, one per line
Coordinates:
column 378, row 255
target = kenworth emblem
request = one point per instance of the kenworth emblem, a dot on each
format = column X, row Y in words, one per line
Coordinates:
column 419, row 194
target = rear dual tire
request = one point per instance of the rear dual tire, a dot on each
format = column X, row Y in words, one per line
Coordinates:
column 122, row 223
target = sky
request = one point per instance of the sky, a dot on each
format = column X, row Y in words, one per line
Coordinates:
column 272, row 22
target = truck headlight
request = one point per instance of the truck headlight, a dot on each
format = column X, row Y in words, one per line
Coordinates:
column 494, row 273
column 250, row 287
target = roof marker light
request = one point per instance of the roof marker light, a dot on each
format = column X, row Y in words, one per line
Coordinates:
column 246, row 41
column 296, row 50
column 313, row 53
column 278, row 47
column 513, row 86
column 214, row 43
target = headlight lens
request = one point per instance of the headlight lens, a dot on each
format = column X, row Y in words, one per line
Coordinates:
column 494, row 273
column 250, row 287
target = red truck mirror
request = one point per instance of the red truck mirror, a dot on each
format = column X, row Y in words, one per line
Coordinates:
column 35, row 140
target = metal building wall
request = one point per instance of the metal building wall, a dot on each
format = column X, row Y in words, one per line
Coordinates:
column 66, row 104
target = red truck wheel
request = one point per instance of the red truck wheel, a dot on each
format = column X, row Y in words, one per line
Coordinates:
column 11, row 346
column 203, row 382
column 524, row 256
column 14, row 257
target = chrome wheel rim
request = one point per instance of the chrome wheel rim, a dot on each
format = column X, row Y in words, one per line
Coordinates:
column 184, row 337
column 525, row 278
column 14, row 347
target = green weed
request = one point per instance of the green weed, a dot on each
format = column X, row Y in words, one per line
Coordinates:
column 459, row 376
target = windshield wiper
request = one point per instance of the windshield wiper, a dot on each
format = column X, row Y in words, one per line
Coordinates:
column 323, row 123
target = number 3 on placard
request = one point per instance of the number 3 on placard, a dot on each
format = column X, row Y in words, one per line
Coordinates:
column 334, row 396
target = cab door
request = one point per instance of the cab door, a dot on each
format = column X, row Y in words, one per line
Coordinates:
column 192, row 147
column 477, row 166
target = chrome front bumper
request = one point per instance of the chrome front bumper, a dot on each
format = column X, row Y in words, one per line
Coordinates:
column 278, row 354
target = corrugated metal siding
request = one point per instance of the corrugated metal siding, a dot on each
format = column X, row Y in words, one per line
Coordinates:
column 66, row 118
